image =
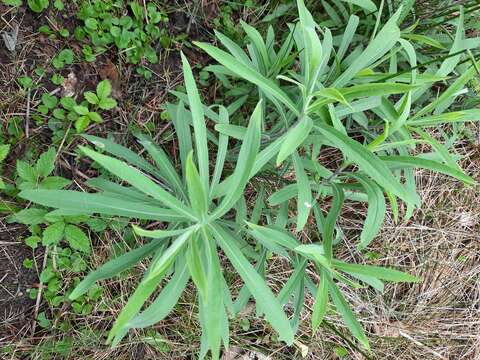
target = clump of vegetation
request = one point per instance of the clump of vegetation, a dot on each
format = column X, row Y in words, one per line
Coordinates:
column 135, row 35
column 309, row 107
column 313, row 115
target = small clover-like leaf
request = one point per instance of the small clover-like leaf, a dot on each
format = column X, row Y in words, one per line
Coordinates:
column 46, row 162
column 107, row 103
column 91, row 97
column 77, row 239
column 53, row 233
column 104, row 89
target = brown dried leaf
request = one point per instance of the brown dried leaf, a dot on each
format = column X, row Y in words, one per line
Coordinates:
column 109, row 71
column 69, row 85
column 391, row 330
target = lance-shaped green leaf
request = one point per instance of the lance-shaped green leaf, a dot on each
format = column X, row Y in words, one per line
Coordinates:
column 439, row 148
column 158, row 234
column 312, row 52
column 289, row 288
column 161, row 307
column 110, row 188
column 75, row 202
column 249, row 74
column 234, row 49
column 196, row 265
column 423, row 39
column 214, row 309
column 262, row 294
column 369, row 280
column 378, row 272
column 348, row 316
column 221, row 151
column 148, row 285
column 199, row 127
column 138, row 180
column 383, row 42
column 447, row 94
column 449, row 64
column 273, row 234
column 113, row 267
column 234, row 131
column 331, row 220
column 257, row 41
column 367, row 161
column 260, row 161
column 347, row 37
column 196, row 194
column 321, row 302
column 246, row 159
column 344, row 95
column 294, row 138
column 164, row 166
column 184, row 136
column 244, row 294
column 405, row 162
column 316, row 253
column 446, row 118
column 121, row 152
column 365, row 4
column 331, row 94
column 376, row 210
column 304, row 199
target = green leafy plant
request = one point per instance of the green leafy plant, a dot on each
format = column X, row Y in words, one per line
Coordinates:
column 59, row 5
column 26, row 82
column 199, row 223
column 4, row 149
column 38, row 176
column 64, row 57
column 69, row 243
column 100, row 100
column 362, row 97
column 12, row 2
column 67, row 110
column 38, row 5
column 136, row 36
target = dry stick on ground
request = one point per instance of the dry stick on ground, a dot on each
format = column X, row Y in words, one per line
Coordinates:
column 27, row 116
column 433, row 352
column 39, row 294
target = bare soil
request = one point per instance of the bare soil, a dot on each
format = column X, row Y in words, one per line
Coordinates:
column 16, row 307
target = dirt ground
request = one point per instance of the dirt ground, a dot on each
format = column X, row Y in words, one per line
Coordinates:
column 16, row 308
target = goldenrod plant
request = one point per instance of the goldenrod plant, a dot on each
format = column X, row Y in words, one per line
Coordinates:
column 311, row 96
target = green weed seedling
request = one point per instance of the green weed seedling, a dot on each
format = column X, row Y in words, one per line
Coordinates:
column 15, row 3
column 38, row 6
column 65, row 111
column 136, row 35
column 64, row 57
column 68, row 243
column 4, row 149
